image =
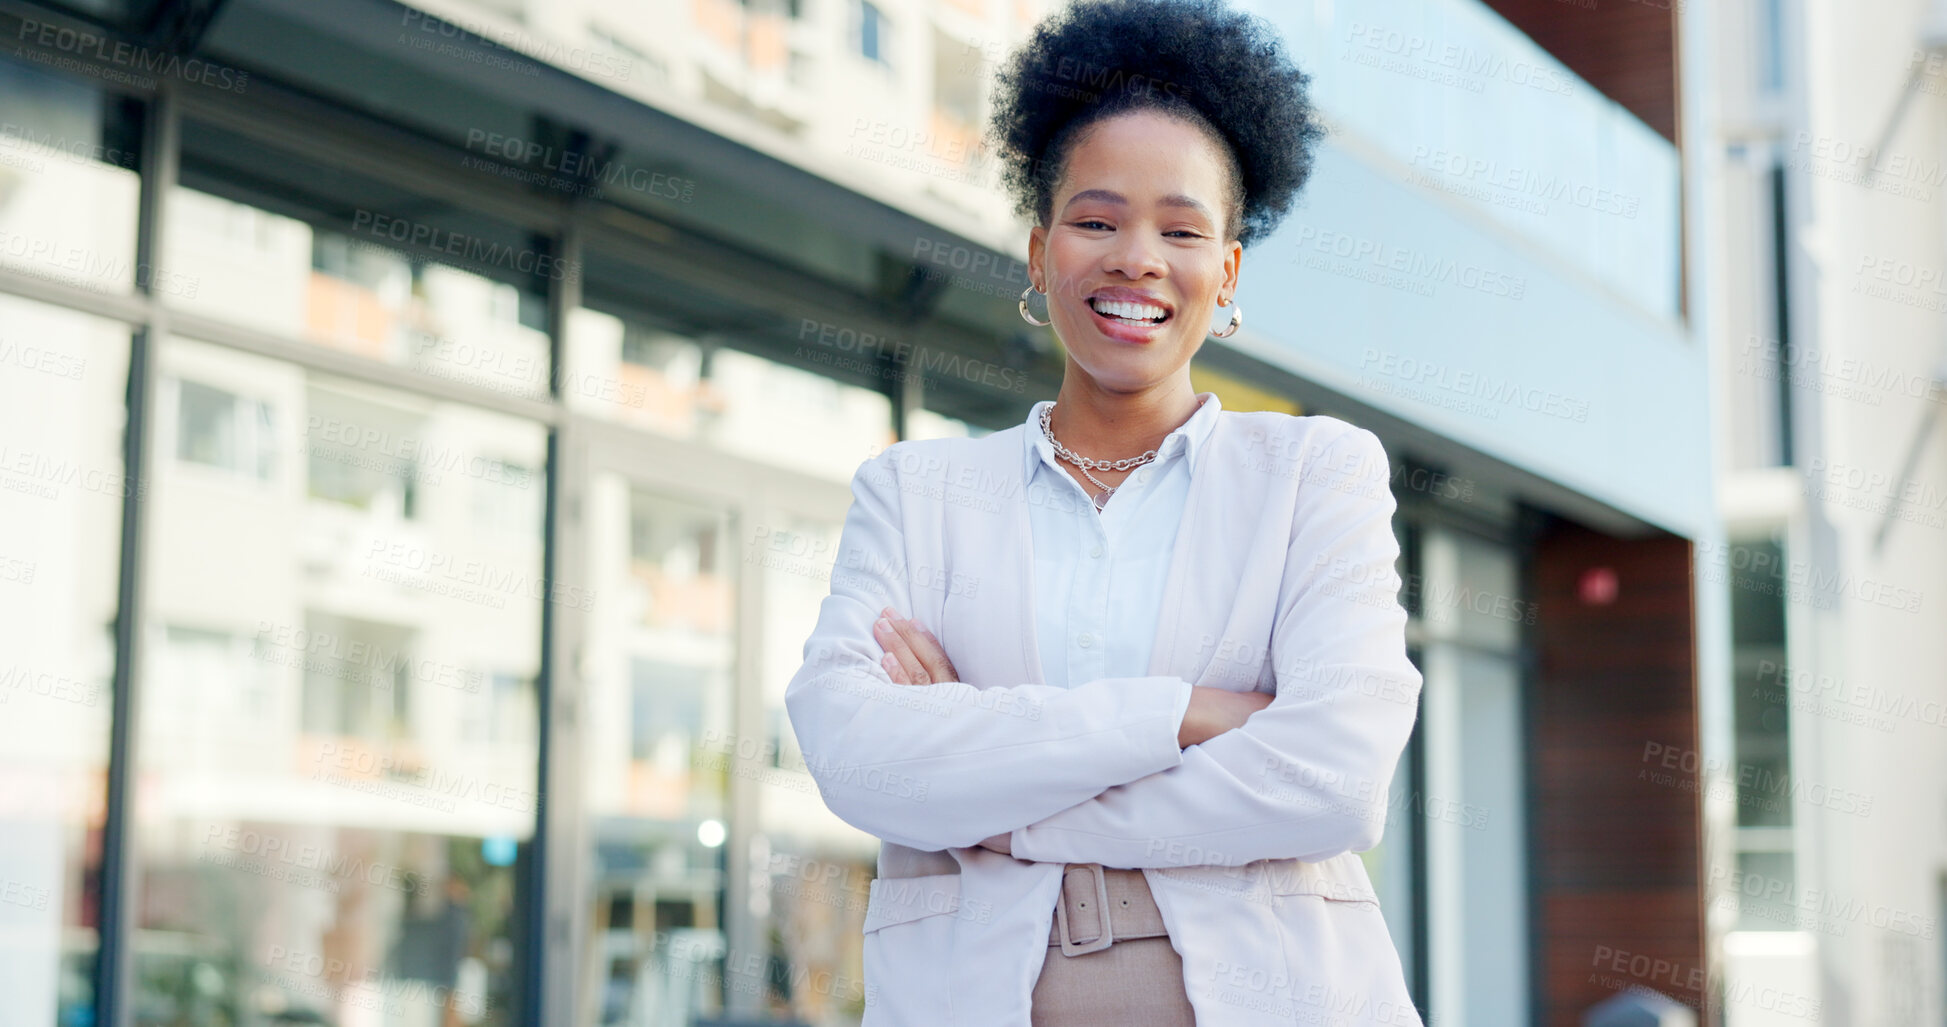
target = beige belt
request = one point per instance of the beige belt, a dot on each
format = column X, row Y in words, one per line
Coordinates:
column 1100, row 906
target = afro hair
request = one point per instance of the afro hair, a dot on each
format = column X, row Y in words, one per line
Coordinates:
column 1220, row 69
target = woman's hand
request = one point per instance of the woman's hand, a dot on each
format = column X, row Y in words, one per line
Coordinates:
column 913, row 655
column 1213, row 711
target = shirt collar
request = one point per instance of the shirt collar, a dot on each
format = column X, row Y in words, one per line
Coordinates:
column 1187, row 439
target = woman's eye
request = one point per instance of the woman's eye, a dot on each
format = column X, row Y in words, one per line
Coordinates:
column 1093, row 223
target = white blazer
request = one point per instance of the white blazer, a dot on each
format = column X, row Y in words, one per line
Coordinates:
column 1282, row 580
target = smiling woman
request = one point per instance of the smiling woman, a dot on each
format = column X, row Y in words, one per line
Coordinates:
column 1136, row 763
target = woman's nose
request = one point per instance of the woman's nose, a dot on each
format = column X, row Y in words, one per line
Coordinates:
column 1136, row 254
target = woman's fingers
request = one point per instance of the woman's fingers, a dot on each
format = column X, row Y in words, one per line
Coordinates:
column 931, row 655
column 914, row 655
column 899, row 653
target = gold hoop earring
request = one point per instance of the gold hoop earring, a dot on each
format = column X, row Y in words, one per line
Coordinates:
column 1236, row 322
column 1029, row 318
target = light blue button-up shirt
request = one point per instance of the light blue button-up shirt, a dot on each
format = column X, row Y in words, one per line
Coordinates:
column 1099, row 577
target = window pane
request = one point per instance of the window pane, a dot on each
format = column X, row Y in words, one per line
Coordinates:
column 337, row 746
column 1390, row 864
column 1486, row 805
column 62, row 486
column 361, row 266
column 625, row 370
column 1760, row 685
column 784, row 416
column 811, row 869
column 220, row 429
column 68, row 183
column 659, row 690
column 1480, row 603
column 1764, row 894
column 1469, row 814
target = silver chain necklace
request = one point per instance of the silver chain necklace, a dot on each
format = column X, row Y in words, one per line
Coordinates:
column 1125, row 464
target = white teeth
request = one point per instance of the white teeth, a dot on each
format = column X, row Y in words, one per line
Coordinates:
column 1127, row 310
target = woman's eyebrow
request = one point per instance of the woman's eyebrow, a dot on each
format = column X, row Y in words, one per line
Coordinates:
column 1111, row 196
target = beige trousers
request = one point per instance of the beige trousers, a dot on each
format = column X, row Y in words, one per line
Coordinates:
column 1134, row 982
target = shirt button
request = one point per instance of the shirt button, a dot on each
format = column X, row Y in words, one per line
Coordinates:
column 1085, row 640
column 1142, row 475
column 1096, row 552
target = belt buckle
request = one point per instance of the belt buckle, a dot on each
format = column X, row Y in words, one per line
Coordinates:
column 1068, row 947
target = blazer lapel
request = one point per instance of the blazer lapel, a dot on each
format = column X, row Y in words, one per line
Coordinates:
column 1023, row 547
column 1189, row 533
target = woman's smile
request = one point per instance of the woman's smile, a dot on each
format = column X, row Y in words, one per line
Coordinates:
column 1128, row 315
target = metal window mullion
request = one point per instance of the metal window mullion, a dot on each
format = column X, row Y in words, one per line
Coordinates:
column 1781, row 305
column 564, row 297
column 908, row 392
column 161, row 142
column 1534, row 844
column 328, row 360
column 556, row 927
column 694, row 470
column 133, row 308
column 1420, row 935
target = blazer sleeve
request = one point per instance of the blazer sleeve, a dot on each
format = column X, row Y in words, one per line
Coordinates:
column 945, row 765
column 1307, row 776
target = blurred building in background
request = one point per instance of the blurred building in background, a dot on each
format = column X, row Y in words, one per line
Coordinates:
column 1821, row 160
column 427, row 428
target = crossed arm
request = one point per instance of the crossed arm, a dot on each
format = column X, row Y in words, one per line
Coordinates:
column 1121, row 777
column 914, row 656
column 1306, row 776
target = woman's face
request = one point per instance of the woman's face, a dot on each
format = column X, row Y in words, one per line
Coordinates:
column 1136, row 231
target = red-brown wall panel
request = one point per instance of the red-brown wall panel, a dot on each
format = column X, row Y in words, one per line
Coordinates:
column 1616, row 844
column 1626, row 48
